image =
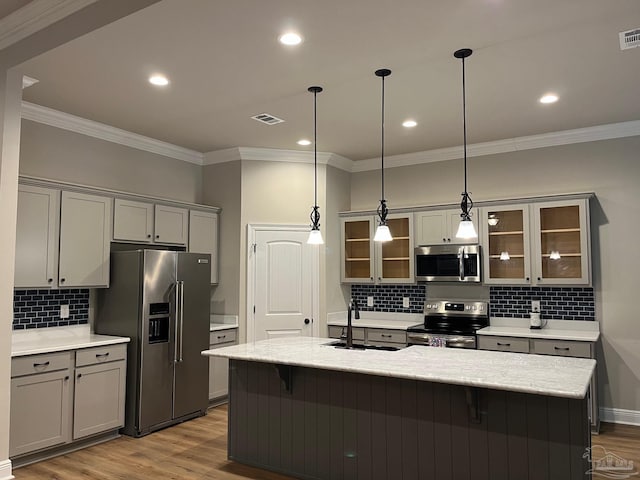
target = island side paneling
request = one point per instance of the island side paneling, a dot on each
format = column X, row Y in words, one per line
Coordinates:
column 332, row 424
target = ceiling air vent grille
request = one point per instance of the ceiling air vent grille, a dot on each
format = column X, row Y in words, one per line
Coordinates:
column 267, row 118
column 629, row 39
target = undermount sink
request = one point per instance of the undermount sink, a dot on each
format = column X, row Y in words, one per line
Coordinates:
column 339, row 344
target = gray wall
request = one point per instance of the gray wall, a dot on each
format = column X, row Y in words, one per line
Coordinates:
column 57, row 154
column 610, row 169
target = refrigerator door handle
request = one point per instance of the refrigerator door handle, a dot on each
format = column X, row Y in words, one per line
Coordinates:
column 181, row 284
column 176, row 320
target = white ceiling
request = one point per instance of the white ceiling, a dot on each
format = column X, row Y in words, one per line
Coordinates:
column 225, row 65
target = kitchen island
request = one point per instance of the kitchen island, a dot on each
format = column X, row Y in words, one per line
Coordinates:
column 305, row 408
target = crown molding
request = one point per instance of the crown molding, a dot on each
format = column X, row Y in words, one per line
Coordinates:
column 554, row 139
column 275, row 155
column 34, row 16
column 66, row 121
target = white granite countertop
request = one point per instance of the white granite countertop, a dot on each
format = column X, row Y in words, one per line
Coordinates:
column 58, row 339
column 222, row 322
column 572, row 330
column 392, row 321
column 538, row 374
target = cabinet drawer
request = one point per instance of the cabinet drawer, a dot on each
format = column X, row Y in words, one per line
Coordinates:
column 46, row 362
column 386, row 336
column 503, row 344
column 559, row 347
column 108, row 353
column 223, row 336
column 341, row 332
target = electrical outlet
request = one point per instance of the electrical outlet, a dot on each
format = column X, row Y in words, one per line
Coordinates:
column 405, row 302
column 535, row 305
column 369, row 301
column 64, row 311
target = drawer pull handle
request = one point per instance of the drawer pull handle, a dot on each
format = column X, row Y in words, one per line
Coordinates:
column 385, row 336
column 562, row 349
column 503, row 344
column 220, row 337
column 102, row 355
column 45, row 364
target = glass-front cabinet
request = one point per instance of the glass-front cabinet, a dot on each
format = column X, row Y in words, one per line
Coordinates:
column 537, row 243
column 506, row 244
column 562, row 242
column 366, row 261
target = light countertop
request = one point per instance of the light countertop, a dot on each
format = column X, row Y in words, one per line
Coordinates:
column 222, row 322
column 392, row 321
column 538, row 374
column 572, row 330
column 58, row 339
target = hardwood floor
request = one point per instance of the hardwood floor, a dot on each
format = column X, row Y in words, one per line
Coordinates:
column 197, row 450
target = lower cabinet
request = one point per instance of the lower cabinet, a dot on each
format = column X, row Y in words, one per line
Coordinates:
column 386, row 337
column 538, row 346
column 55, row 401
column 219, row 367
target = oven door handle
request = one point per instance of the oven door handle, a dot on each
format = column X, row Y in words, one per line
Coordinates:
column 461, row 262
column 460, row 341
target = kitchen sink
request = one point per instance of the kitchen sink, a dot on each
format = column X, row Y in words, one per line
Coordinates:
column 339, row 344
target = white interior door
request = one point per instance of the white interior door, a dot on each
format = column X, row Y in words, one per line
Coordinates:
column 285, row 272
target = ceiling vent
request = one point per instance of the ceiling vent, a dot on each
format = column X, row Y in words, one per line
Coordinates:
column 268, row 119
column 629, row 39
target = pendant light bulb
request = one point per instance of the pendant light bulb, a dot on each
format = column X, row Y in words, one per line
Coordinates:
column 466, row 229
column 315, row 237
column 383, row 234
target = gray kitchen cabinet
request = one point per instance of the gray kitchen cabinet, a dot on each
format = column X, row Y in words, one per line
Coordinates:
column 41, row 402
column 437, row 227
column 503, row 344
column 366, row 261
column 203, row 237
column 389, row 337
column 85, row 234
column 142, row 222
column 219, row 367
column 341, row 333
column 99, row 390
column 37, row 233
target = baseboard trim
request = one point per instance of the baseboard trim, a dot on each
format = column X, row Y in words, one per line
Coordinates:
column 5, row 470
column 620, row 415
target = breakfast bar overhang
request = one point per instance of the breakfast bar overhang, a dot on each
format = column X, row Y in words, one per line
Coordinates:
column 302, row 407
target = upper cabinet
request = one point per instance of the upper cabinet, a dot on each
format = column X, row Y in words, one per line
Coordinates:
column 537, row 243
column 143, row 222
column 85, row 234
column 37, row 236
column 438, row 227
column 366, row 261
column 203, row 237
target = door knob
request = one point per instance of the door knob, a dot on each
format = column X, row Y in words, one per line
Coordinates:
column 307, row 321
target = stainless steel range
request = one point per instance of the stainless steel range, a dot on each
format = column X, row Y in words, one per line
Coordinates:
column 450, row 324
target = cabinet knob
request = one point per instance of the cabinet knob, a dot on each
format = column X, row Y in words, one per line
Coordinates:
column 67, row 377
column 79, row 375
column 444, row 239
column 157, row 236
column 307, row 321
column 379, row 278
column 149, row 235
column 371, row 278
column 539, row 278
column 527, row 279
column 448, row 239
column 62, row 280
column 49, row 280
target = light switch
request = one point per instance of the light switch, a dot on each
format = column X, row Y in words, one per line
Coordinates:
column 535, row 305
column 369, row 301
column 64, row 311
column 405, row 302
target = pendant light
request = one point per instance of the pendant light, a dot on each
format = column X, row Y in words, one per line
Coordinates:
column 466, row 229
column 315, row 237
column 383, row 234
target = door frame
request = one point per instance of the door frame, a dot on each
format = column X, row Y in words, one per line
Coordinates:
column 252, row 230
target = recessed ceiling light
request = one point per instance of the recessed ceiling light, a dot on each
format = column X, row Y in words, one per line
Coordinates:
column 159, row 80
column 409, row 123
column 304, row 142
column 548, row 98
column 290, row 38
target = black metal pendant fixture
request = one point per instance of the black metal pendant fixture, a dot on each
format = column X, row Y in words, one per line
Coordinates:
column 466, row 229
column 383, row 234
column 315, row 237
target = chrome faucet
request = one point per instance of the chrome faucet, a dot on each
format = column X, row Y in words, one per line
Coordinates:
column 353, row 307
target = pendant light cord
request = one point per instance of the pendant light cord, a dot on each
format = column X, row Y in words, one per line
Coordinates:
column 382, row 144
column 464, row 125
column 315, row 149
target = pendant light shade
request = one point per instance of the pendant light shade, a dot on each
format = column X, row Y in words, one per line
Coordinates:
column 315, row 236
column 383, row 234
column 466, row 230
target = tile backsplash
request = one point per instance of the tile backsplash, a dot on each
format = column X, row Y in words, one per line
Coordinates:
column 41, row 308
column 388, row 298
column 556, row 303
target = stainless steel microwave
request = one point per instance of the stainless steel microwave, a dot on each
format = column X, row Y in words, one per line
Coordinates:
column 448, row 263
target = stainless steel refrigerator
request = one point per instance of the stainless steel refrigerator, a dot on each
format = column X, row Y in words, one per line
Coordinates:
column 160, row 299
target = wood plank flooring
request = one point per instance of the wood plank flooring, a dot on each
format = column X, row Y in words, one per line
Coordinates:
column 197, row 450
